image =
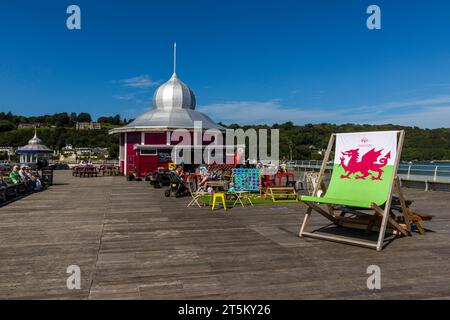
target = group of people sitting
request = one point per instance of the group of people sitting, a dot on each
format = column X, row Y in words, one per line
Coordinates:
column 25, row 175
column 84, row 163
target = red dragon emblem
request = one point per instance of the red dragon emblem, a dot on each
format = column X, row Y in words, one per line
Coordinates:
column 367, row 163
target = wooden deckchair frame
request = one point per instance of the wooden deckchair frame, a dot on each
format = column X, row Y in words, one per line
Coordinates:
column 384, row 214
column 196, row 196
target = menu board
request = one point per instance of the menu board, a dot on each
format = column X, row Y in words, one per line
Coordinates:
column 164, row 156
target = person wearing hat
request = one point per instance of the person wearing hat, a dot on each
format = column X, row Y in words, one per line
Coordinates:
column 24, row 176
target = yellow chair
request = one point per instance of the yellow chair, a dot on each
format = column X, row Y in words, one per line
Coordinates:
column 219, row 195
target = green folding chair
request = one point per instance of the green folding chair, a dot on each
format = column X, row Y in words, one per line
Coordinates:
column 362, row 179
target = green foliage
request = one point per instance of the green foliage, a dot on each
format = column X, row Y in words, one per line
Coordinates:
column 6, row 125
column 307, row 140
column 62, row 119
column 84, row 117
column 110, row 120
column 57, row 138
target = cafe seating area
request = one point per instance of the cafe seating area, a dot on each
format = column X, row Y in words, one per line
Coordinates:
column 224, row 186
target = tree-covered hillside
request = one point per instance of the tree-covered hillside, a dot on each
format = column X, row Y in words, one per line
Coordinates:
column 305, row 141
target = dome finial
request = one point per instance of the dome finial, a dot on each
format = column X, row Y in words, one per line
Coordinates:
column 35, row 132
column 174, row 58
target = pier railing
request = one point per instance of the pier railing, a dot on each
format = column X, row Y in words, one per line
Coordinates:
column 419, row 172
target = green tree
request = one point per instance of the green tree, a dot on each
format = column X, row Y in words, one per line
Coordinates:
column 84, row 117
column 6, row 125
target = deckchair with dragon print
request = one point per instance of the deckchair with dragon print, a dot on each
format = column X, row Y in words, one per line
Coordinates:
column 362, row 184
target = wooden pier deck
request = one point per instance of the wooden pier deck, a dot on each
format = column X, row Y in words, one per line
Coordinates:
column 133, row 243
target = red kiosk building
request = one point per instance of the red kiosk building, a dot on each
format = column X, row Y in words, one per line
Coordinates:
column 145, row 143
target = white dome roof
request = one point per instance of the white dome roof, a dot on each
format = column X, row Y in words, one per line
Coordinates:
column 173, row 107
column 174, row 94
column 35, row 145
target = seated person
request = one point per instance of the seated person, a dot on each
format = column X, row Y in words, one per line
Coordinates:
column 83, row 163
column 180, row 172
column 210, row 176
column 36, row 180
column 15, row 176
column 24, row 176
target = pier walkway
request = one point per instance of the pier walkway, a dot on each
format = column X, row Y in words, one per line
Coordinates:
column 131, row 242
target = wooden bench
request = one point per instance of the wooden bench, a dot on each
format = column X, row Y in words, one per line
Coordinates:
column 9, row 191
column 109, row 171
column 88, row 171
column 3, row 196
column 282, row 194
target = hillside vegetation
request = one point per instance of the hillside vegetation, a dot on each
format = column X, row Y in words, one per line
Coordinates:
column 306, row 140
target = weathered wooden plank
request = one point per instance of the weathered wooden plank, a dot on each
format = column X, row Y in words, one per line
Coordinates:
column 131, row 242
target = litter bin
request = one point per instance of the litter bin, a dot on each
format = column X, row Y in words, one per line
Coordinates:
column 47, row 176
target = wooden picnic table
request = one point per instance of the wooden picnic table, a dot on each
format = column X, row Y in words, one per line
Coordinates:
column 217, row 184
column 109, row 170
column 82, row 171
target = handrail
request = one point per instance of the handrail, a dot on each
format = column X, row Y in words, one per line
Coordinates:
column 431, row 170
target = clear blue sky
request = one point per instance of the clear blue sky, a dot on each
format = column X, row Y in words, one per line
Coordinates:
column 247, row 61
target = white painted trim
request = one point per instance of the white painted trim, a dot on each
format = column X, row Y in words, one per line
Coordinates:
column 142, row 138
column 168, row 138
column 125, row 154
column 147, row 155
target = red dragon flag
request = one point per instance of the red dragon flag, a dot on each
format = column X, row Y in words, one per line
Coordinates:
column 364, row 163
column 365, row 155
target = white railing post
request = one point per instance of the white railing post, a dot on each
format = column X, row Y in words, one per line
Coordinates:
column 435, row 173
column 409, row 171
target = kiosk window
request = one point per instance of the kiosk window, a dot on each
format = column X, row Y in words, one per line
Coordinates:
column 148, row 152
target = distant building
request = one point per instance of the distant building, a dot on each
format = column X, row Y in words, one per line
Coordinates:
column 28, row 125
column 92, row 152
column 88, row 126
column 68, row 148
column 69, row 153
column 8, row 150
column 84, row 152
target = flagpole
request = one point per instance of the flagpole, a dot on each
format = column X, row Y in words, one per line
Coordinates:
column 175, row 58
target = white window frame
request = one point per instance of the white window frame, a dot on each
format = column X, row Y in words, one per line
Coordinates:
column 153, row 154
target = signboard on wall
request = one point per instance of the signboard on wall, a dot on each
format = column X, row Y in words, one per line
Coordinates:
column 164, row 155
